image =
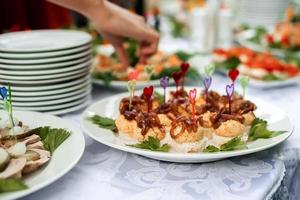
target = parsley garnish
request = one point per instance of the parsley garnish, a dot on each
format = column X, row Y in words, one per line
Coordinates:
column 104, row 122
column 152, row 144
column 259, row 130
column 11, row 184
column 233, row 144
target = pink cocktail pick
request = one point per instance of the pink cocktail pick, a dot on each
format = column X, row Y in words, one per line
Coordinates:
column 164, row 83
column 229, row 92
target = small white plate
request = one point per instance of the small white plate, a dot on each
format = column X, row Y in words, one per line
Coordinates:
column 59, row 164
column 45, row 60
column 277, row 119
column 9, row 78
column 21, row 103
column 45, row 66
column 35, row 82
column 30, row 88
column 42, row 40
column 53, row 107
column 51, row 97
column 38, row 72
column 44, row 54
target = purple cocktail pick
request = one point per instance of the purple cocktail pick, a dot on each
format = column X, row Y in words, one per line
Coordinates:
column 164, row 83
column 207, row 83
column 229, row 92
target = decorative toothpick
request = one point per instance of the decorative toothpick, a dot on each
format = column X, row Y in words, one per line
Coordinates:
column 177, row 77
column 148, row 91
column 207, row 83
column 229, row 92
column 244, row 84
column 233, row 74
column 209, row 69
column 192, row 98
column 149, row 71
column 131, row 85
column 7, row 102
column 184, row 69
column 164, row 83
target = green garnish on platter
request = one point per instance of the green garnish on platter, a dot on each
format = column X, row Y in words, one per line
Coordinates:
column 233, row 144
column 51, row 137
column 104, row 122
column 230, row 63
column 259, row 129
column 11, row 185
column 153, row 144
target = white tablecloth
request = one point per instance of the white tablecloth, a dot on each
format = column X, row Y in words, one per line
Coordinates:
column 105, row 173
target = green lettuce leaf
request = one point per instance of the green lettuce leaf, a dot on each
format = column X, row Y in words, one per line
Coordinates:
column 233, row 144
column 106, row 77
column 51, row 137
column 152, row 144
column 11, row 184
column 104, row 122
column 259, row 129
column 230, row 63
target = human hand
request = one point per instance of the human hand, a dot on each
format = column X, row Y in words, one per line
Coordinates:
column 116, row 23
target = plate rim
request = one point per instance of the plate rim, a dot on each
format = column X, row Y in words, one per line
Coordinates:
column 43, row 31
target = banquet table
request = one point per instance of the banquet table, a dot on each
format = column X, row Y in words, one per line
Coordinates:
column 106, row 173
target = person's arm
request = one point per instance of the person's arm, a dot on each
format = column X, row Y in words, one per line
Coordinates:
column 115, row 23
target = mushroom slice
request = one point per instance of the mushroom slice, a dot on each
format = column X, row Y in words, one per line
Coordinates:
column 37, row 145
column 14, row 168
column 31, row 139
column 32, row 165
column 4, row 158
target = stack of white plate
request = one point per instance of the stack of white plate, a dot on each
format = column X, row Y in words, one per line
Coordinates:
column 261, row 12
column 48, row 70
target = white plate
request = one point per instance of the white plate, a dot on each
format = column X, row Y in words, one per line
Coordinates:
column 31, row 88
column 45, row 60
column 53, row 107
column 70, row 109
column 277, row 119
column 51, row 97
column 243, row 39
column 42, row 40
column 45, row 66
column 59, row 164
column 44, row 54
column 35, row 82
column 38, row 72
column 9, row 78
column 122, row 85
column 21, row 103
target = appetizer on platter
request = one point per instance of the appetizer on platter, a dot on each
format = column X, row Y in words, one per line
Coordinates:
column 108, row 68
column 186, row 122
column 261, row 66
column 23, row 150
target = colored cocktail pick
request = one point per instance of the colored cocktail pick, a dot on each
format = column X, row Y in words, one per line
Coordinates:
column 164, row 83
column 7, row 102
column 192, row 98
column 229, row 92
column 131, row 85
column 209, row 69
column 149, row 71
column 184, row 69
column 244, row 83
column 148, row 91
column 177, row 77
column 233, row 74
column 207, row 83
